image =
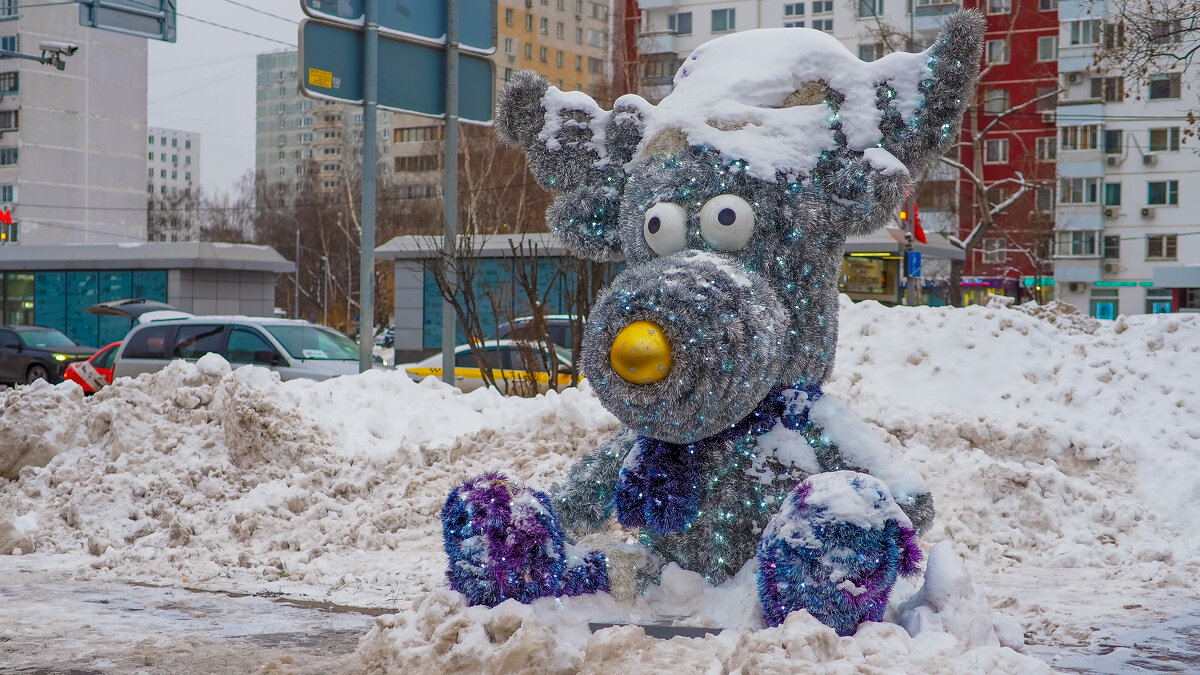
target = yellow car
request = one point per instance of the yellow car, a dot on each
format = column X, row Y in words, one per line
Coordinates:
column 507, row 363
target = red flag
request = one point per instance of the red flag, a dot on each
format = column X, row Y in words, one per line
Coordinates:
column 919, row 233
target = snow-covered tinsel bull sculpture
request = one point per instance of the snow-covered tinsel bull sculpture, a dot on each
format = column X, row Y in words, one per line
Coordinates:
column 730, row 202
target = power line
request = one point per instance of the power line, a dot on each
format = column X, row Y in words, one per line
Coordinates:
column 260, row 11
column 188, row 16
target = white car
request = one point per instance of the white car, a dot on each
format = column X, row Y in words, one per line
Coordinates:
column 509, row 368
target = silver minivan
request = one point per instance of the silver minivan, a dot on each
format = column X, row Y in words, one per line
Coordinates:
column 292, row 348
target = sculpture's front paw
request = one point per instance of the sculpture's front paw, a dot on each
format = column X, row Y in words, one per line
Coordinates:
column 504, row 541
column 835, row 549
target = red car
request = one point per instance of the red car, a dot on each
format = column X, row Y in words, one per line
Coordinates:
column 95, row 373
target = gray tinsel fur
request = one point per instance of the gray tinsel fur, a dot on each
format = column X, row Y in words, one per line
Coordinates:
column 740, row 323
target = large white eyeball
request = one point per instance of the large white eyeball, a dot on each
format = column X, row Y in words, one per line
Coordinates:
column 665, row 228
column 727, row 222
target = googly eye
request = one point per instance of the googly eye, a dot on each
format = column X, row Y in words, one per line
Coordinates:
column 727, row 222
column 665, row 228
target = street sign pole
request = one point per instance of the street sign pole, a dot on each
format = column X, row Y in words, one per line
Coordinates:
column 366, row 280
column 450, row 190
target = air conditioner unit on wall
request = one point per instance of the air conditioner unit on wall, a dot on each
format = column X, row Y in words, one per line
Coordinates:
column 1111, row 268
column 1074, row 78
column 1147, row 212
column 1075, row 287
column 1110, row 213
column 1149, row 160
column 1047, row 118
column 1112, row 160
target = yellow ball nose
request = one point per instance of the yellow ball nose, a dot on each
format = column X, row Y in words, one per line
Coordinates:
column 641, row 353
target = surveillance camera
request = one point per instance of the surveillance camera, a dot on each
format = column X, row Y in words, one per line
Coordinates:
column 54, row 47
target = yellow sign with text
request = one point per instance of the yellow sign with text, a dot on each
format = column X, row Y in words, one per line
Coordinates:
column 320, row 78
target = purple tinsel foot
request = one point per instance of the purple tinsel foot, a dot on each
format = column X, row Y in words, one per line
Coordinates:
column 835, row 549
column 504, row 541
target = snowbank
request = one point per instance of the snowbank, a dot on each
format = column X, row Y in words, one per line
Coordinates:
column 1059, row 450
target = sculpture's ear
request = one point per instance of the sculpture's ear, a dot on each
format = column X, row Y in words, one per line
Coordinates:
column 577, row 150
column 953, row 64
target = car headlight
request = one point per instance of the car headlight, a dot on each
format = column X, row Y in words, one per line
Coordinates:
column 60, row 357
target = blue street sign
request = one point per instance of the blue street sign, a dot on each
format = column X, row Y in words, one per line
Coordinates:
column 412, row 76
column 914, row 263
column 153, row 19
column 422, row 20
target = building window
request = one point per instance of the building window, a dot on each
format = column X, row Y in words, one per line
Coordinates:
column 1083, row 137
column 1109, row 89
column 1112, row 247
column 559, row 30
column 1078, row 190
column 1162, row 193
column 1114, row 141
column 8, row 156
column 870, row 52
column 529, row 50
column 151, row 176
column 528, row 22
column 995, row 151
column 508, row 17
column 600, row 11
column 1112, row 194
column 596, row 37
column 793, row 24
column 510, row 46
column 1158, row 246
column 8, row 120
column 999, row 6
column 544, row 26
column 1044, row 197
column 578, row 62
column 151, row 157
column 9, row 43
column 558, row 58
column 1158, row 300
column 542, row 54
column 681, row 23
column 870, row 8
column 507, row 74
column 162, row 173
column 163, row 141
column 1164, row 140
column 8, row 82
column 997, row 51
column 1047, row 48
column 1077, row 243
column 995, row 101
column 151, row 140
column 187, row 145
column 187, row 175
column 993, row 251
column 174, row 142
column 1046, row 148
column 595, row 65
column 419, row 163
column 822, row 24
column 174, row 159
column 1164, row 86
column 1048, row 5
column 822, row 7
column 174, row 175
column 1163, row 31
column 793, row 9
column 1086, row 32
column 162, row 156
column 723, row 20
column 578, row 36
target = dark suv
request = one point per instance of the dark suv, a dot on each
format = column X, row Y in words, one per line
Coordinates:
column 31, row 352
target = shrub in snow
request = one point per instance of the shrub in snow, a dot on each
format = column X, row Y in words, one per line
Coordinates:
column 729, row 201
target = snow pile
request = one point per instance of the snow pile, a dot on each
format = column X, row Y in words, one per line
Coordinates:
column 1060, row 451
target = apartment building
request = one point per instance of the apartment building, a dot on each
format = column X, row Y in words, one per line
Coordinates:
column 72, row 153
column 173, row 157
column 1013, row 126
column 295, row 134
column 1127, row 231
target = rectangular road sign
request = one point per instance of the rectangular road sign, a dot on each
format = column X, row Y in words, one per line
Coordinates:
column 153, row 19
column 914, row 263
column 422, row 20
column 412, row 76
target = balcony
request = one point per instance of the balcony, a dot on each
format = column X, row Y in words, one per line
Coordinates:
column 657, row 4
column 658, row 42
column 928, row 17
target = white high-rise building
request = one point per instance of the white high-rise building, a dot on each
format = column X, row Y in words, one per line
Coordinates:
column 72, row 157
column 173, row 158
column 1128, row 234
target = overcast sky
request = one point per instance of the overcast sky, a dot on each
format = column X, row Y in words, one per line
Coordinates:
column 204, row 82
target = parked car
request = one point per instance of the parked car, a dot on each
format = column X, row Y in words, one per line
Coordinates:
column 505, row 362
column 292, row 348
column 557, row 325
column 28, row 353
column 95, row 373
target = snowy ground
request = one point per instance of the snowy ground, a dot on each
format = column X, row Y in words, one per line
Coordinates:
column 1060, row 450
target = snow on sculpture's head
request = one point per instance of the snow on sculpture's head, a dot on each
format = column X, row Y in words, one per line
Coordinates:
column 730, row 202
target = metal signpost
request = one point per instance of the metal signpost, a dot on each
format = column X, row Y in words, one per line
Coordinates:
column 342, row 45
column 153, row 19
